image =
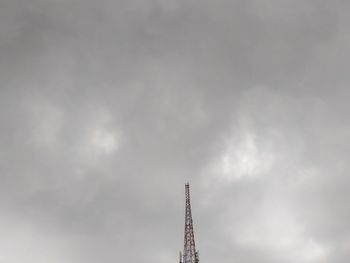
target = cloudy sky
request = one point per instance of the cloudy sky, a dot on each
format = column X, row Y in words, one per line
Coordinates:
column 108, row 107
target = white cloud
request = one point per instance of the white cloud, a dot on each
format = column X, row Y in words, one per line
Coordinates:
column 242, row 158
column 104, row 140
column 101, row 139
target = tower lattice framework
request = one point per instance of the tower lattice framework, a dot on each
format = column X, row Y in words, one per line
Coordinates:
column 190, row 255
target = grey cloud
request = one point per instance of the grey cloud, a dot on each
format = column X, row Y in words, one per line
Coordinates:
column 108, row 107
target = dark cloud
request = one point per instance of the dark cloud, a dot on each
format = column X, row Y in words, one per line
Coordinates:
column 109, row 107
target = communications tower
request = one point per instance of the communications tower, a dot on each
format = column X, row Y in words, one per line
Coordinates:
column 189, row 255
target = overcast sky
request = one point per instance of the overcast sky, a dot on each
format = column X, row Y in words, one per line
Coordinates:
column 108, row 107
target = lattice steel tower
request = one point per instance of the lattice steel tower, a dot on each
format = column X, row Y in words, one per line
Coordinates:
column 190, row 255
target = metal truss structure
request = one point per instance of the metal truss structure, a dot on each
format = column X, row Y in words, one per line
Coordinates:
column 189, row 255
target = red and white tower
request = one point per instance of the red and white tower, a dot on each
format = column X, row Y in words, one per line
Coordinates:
column 189, row 255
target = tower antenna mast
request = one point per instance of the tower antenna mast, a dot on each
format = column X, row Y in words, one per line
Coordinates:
column 190, row 255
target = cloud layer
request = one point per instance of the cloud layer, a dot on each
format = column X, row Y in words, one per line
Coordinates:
column 109, row 107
